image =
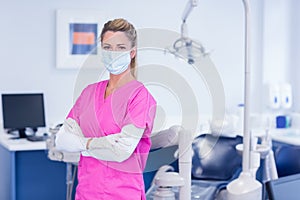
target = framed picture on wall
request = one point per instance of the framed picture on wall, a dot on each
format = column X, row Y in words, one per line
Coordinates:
column 77, row 33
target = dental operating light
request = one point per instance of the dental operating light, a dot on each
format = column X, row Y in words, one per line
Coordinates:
column 185, row 47
column 245, row 187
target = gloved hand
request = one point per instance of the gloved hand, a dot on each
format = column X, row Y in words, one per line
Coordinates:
column 70, row 137
column 113, row 147
column 72, row 126
column 70, row 142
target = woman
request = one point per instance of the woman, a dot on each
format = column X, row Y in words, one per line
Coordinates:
column 111, row 122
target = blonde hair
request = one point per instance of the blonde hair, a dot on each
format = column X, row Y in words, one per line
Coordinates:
column 129, row 30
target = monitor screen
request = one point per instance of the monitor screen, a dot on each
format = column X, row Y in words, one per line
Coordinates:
column 21, row 111
column 286, row 187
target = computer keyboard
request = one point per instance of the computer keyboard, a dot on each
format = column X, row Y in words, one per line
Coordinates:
column 36, row 138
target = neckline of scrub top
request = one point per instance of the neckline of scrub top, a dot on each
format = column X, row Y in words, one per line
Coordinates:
column 103, row 89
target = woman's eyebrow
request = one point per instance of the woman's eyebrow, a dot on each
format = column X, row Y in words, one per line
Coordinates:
column 107, row 44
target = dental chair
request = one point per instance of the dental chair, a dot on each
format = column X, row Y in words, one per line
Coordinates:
column 214, row 164
column 287, row 158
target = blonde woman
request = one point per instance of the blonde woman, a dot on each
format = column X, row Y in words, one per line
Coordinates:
column 111, row 122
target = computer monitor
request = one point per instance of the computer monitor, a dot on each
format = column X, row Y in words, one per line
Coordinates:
column 283, row 188
column 21, row 111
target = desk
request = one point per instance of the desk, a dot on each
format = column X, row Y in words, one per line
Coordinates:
column 27, row 173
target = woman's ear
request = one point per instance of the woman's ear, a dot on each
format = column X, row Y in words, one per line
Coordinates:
column 133, row 52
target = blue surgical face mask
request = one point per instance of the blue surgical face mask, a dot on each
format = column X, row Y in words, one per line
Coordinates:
column 116, row 62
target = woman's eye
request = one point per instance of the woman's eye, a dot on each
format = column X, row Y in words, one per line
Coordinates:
column 122, row 48
column 106, row 48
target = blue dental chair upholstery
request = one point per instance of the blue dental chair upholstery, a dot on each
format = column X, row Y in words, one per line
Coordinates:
column 214, row 164
column 287, row 158
column 220, row 162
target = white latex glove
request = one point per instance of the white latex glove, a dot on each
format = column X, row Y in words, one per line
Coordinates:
column 72, row 126
column 66, row 141
column 109, row 142
column 70, row 137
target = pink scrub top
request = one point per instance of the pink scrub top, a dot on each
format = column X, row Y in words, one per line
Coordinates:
column 99, row 116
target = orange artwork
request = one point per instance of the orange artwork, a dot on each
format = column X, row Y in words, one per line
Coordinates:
column 87, row 38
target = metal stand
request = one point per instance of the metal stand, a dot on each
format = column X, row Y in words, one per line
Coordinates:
column 70, row 178
column 71, row 160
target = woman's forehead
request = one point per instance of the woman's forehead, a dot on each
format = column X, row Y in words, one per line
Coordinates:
column 115, row 37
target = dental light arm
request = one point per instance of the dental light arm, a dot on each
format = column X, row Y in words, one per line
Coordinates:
column 245, row 186
column 188, row 8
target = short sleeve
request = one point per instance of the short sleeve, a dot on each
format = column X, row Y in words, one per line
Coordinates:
column 77, row 107
column 141, row 109
column 74, row 112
